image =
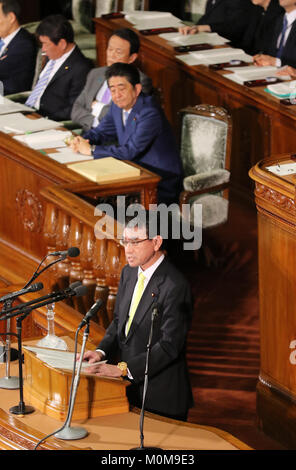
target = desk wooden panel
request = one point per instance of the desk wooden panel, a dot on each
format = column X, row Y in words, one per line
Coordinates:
column 276, row 390
column 116, row 432
column 261, row 125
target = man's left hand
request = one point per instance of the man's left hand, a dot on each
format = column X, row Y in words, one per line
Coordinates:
column 107, row 370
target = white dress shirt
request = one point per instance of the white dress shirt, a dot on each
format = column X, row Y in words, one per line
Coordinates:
column 7, row 40
column 291, row 17
column 58, row 63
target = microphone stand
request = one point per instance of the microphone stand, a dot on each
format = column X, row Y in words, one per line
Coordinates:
column 154, row 314
column 11, row 354
column 23, row 311
column 9, row 382
column 68, row 432
column 21, row 408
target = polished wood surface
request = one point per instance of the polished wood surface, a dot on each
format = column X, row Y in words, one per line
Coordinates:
column 47, row 207
column 113, row 432
column 276, row 391
column 261, row 125
column 48, row 389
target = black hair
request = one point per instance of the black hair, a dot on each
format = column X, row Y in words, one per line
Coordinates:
column 130, row 36
column 11, row 6
column 56, row 27
column 120, row 69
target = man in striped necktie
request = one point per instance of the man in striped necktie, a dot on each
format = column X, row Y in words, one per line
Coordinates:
column 64, row 75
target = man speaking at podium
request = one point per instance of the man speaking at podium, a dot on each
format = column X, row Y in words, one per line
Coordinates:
column 149, row 280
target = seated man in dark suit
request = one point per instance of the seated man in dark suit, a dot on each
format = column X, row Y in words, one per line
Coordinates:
column 228, row 18
column 65, row 72
column 147, row 281
column 140, row 128
column 94, row 101
column 256, row 36
column 281, row 44
column 17, row 50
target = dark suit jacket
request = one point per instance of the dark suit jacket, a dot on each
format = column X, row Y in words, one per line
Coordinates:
column 64, row 87
column 17, row 63
column 228, row 18
column 147, row 139
column 260, row 27
column 289, row 51
column 169, row 390
column 82, row 108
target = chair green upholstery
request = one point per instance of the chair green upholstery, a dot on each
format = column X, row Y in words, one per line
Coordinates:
column 194, row 9
column 206, row 133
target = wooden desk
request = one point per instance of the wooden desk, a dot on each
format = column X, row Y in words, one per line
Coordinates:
column 46, row 207
column 261, row 125
column 116, row 432
column 276, row 390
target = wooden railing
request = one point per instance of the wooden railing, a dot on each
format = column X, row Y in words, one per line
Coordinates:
column 70, row 221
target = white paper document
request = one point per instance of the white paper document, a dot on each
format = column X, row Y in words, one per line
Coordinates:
column 66, row 155
column 57, row 358
column 153, row 19
column 20, row 124
column 8, row 106
column 253, row 72
column 45, row 139
column 283, row 90
column 216, row 56
column 179, row 39
column 282, row 169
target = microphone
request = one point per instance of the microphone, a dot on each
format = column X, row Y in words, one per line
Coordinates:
column 33, row 288
column 73, row 251
column 76, row 288
column 92, row 311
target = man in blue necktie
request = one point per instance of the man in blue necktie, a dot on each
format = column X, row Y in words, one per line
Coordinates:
column 281, row 46
column 94, row 101
column 64, row 75
column 146, row 137
column 17, row 50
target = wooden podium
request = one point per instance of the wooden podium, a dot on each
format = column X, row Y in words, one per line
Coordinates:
column 48, row 390
column 276, row 390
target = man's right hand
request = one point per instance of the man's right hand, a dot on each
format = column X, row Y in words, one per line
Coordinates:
column 92, row 356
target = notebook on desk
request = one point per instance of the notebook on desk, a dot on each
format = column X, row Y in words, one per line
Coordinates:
column 105, row 170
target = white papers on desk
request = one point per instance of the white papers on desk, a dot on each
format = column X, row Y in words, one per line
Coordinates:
column 57, row 358
column 283, row 169
column 20, row 124
column 283, row 90
column 153, row 19
column 66, row 155
column 215, row 56
column 253, row 72
column 45, row 139
column 8, row 106
column 179, row 39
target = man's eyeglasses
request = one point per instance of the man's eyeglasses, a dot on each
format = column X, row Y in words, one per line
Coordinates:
column 125, row 243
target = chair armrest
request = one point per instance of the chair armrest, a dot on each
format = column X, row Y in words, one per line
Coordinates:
column 210, row 182
column 206, row 180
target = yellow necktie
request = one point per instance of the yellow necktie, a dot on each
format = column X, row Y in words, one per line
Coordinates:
column 137, row 298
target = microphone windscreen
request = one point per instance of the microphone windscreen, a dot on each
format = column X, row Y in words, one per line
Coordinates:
column 80, row 291
column 73, row 251
column 36, row 287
